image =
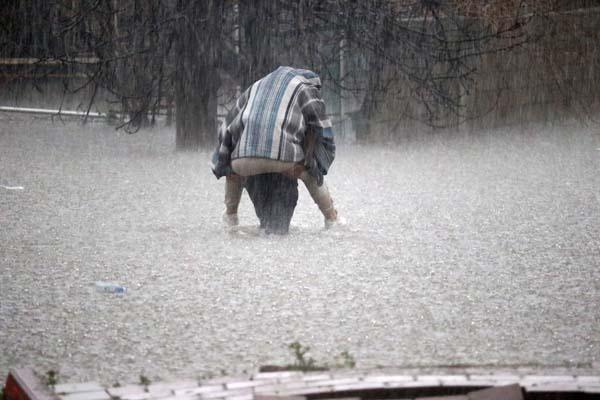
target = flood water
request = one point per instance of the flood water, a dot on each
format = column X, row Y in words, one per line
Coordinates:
column 478, row 250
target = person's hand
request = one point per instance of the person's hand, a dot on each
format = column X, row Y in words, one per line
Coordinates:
column 295, row 171
column 234, row 177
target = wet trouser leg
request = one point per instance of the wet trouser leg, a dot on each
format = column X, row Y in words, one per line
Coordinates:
column 320, row 195
column 233, row 193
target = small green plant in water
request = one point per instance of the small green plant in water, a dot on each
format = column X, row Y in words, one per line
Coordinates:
column 303, row 363
column 51, row 378
column 346, row 360
column 144, row 381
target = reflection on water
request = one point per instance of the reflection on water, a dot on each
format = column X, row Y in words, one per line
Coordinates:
column 457, row 251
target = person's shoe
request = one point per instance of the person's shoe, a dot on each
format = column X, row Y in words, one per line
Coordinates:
column 230, row 220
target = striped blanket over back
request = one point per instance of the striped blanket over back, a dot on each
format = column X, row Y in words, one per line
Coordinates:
column 271, row 119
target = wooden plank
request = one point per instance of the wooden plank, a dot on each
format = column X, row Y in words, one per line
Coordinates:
column 77, row 387
column 510, row 392
column 22, row 384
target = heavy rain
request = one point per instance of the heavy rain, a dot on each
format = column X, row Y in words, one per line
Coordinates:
column 465, row 181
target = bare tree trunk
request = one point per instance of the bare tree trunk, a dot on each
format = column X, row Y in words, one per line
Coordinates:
column 196, row 107
column 197, row 78
column 258, row 28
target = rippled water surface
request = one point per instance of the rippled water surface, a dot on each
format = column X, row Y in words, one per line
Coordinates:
column 470, row 250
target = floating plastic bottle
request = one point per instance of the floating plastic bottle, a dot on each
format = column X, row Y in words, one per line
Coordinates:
column 107, row 287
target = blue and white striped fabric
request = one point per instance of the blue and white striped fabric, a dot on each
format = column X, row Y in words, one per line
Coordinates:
column 271, row 118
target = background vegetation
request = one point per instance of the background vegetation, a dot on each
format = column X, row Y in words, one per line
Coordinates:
column 388, row 65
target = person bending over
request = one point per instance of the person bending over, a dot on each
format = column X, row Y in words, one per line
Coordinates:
column 278, row 126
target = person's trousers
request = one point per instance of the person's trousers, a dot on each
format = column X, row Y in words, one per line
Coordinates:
column 274, row 197
column 245, row 167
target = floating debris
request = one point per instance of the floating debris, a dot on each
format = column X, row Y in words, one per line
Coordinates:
column 12, row 187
